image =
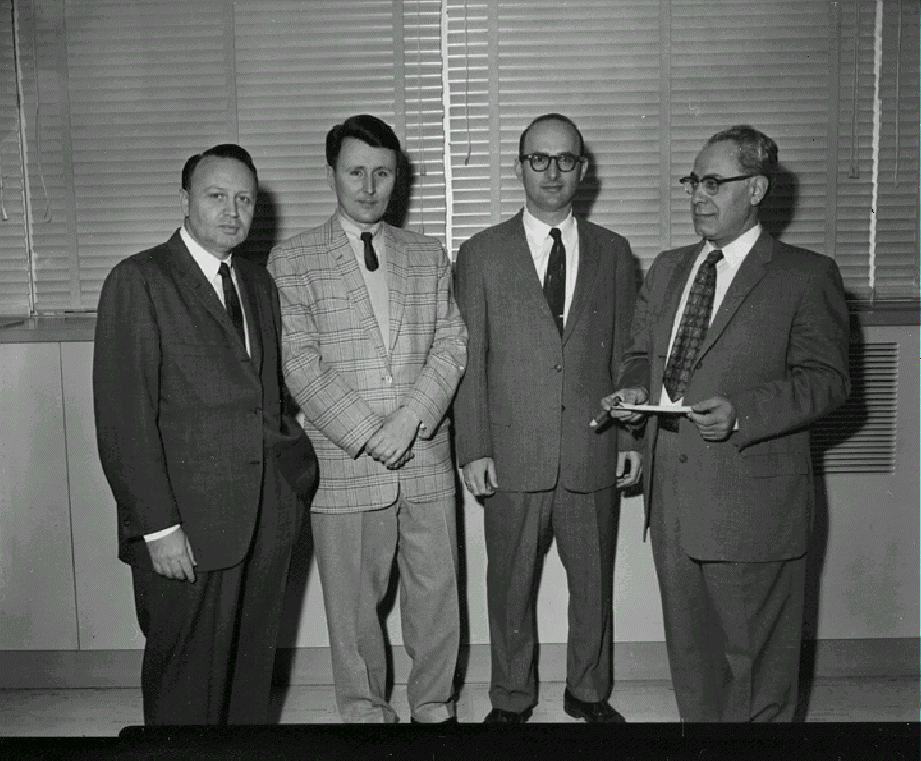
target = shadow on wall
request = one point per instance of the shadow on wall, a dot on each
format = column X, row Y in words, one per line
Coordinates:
column 779, row 206
column 836, row 428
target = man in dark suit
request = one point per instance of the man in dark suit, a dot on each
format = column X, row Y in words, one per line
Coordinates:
column 547, row 300
column 204, row 464
column 751, row 335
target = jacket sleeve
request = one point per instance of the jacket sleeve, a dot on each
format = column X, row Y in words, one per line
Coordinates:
column 321, row 392
column 817, row 378
column 434, row 388
column 126, row 394
column 471, row 407
column 634, row 365
column 625, row 282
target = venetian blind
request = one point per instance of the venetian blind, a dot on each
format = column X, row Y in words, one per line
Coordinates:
column 303, row 67
column 143, row 85
column 896, row 271
column 649, row 81
column 597, row 62
column 14, row 260
column 119, row 94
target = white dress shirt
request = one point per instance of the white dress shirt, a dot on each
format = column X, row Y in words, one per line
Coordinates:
column 734, row 254
column 376, row 282
column 540, row 243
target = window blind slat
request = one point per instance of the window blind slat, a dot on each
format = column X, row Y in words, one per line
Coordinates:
column 294, row 86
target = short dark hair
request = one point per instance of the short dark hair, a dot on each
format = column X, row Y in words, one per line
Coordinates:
column 757, row 152
column 551, row 117
column 369, row 129
column 222, row 151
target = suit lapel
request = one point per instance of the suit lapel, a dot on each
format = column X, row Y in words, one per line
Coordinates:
column 751, row 271
column 589, row 258
column 256, row 315
column 190, row 276
column 344, row 259
column 519, row 274
column 673, row 290
column 396, row 282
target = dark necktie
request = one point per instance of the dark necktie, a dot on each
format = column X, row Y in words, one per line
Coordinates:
column 370, row 256
column 232, row 301
column 692, row 330
column 555, row 278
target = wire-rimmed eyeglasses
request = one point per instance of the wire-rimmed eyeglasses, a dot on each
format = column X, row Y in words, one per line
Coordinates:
column 711, row 184
column 540, row 162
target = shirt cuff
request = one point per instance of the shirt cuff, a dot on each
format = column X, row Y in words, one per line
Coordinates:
column 160, row 534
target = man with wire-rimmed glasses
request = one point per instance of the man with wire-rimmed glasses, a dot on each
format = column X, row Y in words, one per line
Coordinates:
column 739, row 344
column 547, row 299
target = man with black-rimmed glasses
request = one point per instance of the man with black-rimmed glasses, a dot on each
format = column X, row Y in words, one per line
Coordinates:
column 740, row 342
column 547, row 299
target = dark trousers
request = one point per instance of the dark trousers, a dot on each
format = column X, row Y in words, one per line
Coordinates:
column 732, row 630
column 210, row 646
column 519, row 527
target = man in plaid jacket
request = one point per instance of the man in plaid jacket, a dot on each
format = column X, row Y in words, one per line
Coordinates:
column 373, row 347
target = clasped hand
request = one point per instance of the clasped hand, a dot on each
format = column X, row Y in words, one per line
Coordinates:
column 391, row 444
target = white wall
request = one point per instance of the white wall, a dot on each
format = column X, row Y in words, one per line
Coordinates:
column 62, row 586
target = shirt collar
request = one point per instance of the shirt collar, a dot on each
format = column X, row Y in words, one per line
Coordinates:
column 539, row 230
column 207, row 262
column 738, row 249
column 353, row 230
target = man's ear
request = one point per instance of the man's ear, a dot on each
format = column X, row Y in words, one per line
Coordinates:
column 518, row 168
column 758, row 189
column 331, row 177
column 184, row 202
column 583, row 168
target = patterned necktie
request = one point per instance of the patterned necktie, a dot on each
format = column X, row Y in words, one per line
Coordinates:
column 370, row 257
column 692, row 330
column 555, row 278
column 232, row 301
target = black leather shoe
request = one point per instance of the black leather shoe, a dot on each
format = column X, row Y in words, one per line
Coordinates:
column 602, row 711
column 498, row 716
column 449, row 720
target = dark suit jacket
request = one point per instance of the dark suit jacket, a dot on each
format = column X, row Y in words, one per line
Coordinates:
column 778, row 350
column 184, row 417
column 528, row 394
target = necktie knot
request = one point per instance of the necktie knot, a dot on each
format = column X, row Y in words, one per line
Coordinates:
column 556, row 235
column 224, row 270
column 370, row 256
column 713, row 257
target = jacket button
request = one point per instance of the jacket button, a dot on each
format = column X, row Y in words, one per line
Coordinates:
column 389, row 379
column 682, row 458
column 558, row 368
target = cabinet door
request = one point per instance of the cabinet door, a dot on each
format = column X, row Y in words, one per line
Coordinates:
column 105, row 601
column 37, row 605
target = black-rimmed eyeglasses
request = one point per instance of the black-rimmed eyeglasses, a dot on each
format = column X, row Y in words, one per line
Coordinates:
column 711, row 184
column 540, row 162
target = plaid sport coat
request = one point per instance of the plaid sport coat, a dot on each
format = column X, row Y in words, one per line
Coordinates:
column 346, row 381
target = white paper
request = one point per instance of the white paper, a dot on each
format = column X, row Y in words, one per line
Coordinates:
column 661, row 409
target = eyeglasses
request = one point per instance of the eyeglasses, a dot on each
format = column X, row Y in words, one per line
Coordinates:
column 540, row 162
column 711, row 184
